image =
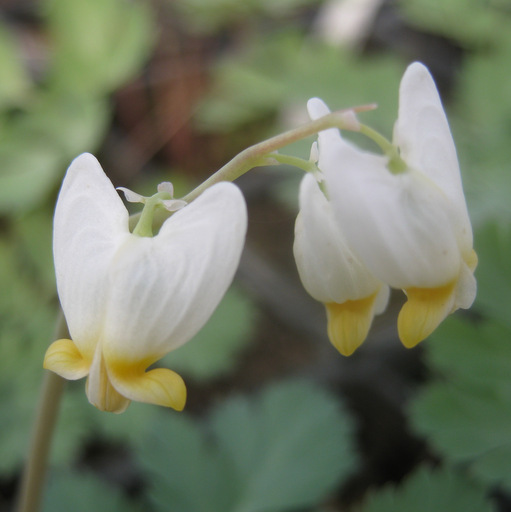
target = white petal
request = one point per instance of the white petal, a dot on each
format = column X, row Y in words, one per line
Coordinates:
column 398, row 225
column 329, row 270
column 163, row 289
column 90, row 222
column 425, row 141
column 317, row 108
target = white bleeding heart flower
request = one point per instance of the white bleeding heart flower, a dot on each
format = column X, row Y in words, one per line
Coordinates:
column 128, row 300
column 409, row 226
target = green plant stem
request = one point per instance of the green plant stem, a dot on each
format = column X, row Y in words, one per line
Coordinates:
column 33, row 478
column 261, row 154
column 396, row 164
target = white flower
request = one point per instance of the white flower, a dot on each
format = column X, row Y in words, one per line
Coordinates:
column 332, row 274
column 411, row 228
column 129, row 300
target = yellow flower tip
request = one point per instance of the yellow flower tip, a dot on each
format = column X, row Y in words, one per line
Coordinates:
column 423, row 312
column 64, row 358
column 160, row 386
column 349, row 323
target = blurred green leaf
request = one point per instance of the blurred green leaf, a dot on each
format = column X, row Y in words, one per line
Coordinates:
column 83, row 492
column 465, row 411
column 41, row 142
column 285, row 449
column 34, row 237
column 493, row 246
column 471, row 22
column 15, row 84
column 212, row 352
column 98, row 44
column 207, row 16
column 483, row 132
column 289, row 449
column 466, row 414
column 282, row 72
column 427, row 490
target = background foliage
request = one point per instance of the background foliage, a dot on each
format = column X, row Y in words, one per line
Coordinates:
column 276, row 419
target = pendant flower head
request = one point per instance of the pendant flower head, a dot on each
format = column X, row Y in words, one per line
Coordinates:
column 329, row 270
column 406, row 219
column 129, row 300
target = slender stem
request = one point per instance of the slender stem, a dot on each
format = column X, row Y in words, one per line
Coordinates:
column 396, row 164
column 306, row 165
column 32, row 482
column 260, row 154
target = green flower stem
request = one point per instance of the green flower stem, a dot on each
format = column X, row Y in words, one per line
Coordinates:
column 396, row 164
column 144, row 225
column 306, row 165
column 263, row 153
column 32, row 481
column 260, row 154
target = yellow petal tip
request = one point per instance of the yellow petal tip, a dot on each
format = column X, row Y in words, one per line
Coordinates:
column 64, row 358
column 349, row 323
column 160, row 386
column 423, row 312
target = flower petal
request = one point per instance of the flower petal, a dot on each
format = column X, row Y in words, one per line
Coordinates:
column 160, row 386
column 423, row 135
column 163, row 289
column 89, row 224
column 349, row 323
column 398, row 225
column 99, row 389
column 423, row 312
column 63, row 358
column 329, row 270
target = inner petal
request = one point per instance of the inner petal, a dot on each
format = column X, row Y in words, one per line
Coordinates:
column 349, row 323
column 423, row 312
column 100, row 391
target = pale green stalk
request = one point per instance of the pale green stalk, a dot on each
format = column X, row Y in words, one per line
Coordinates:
column 33, row 477
column 396, row 164
column 261, row 153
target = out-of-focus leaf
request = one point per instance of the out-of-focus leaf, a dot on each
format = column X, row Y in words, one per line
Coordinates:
column 493, row 246
column 26, row 174
column 466, row 411
column 484, row 109
column 466, row 414
column 214, row 349
column 470, row 21
column 285, row 449
column 40, row 143
column 98, row 44
column 207, row 16
column 289, row 449
column 34, row 236
column 283, row 72
column 14, row 84
column 84, row 492
column 427, row 490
